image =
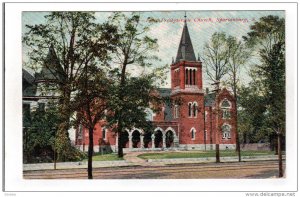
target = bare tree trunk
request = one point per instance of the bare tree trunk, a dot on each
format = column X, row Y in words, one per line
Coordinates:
column 90, row 153
column 280, row 156
column 120, row 145
column 217, row 153
column 54, row 159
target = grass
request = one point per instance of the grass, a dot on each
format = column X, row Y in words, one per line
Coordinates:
column 201, row 154
column 106, row 157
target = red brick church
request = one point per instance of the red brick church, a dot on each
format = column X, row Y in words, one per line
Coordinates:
column 201, row 121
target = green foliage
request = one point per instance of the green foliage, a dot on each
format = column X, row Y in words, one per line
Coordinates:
column 75, row 41
column 130, row 96
column 268, row 35
column 39, row 136
column 262, row 114
column 252, row 118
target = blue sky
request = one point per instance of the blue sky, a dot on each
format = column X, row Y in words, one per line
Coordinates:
column 201, row 24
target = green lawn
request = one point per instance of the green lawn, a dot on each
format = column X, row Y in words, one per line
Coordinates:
column 200, row 154
column 106, row 157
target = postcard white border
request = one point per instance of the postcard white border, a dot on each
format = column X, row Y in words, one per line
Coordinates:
column 13, row 105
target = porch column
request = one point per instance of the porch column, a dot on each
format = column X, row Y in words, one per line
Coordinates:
column 164, row 140
column 142, row 141
column 130, row 140
column 153, row 137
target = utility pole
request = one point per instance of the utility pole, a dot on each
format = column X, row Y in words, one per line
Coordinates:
column 204, row 132
column 217, row 83
column 54, row 150
column 279, row 135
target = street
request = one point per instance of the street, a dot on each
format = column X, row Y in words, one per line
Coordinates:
column 250, row 169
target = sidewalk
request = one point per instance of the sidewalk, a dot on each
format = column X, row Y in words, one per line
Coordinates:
column 132, row 159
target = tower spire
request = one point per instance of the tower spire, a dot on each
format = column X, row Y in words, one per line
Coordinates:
column 185, row 49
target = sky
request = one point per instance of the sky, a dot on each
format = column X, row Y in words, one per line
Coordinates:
column 201, row 25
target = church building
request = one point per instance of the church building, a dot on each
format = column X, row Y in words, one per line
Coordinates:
column 199, row 122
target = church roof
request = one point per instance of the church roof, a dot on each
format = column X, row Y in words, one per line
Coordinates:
column 165, row 92
column 210, row 99
column 185, row 49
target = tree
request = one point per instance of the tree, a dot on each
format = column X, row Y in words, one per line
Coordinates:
column 216, row 59
column 91, row 103
column 237, row 57
column 74, row 40
column 131, row 95
column 252, row 107
column 268, row 35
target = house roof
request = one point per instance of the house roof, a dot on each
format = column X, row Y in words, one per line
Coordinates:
column 51, row 69
column 29, row 88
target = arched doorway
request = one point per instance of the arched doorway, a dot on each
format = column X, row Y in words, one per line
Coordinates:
column 158, row 141
column 147, row 140
column 125, row 139
column 136, row 139
column 169, row 139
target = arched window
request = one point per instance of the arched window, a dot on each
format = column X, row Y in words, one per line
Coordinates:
column 190, row 109
column 195, row 109
column 191, row 77
column 193, row 133
column 176, row 111
column 225, row 106
column 194, row 77
column 186, row 76
column 226, row 133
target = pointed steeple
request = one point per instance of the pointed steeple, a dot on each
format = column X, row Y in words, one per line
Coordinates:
column 51, row 69
column 185, row 49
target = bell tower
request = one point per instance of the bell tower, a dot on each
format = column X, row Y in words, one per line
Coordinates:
column 186, row 87
column 186, row 71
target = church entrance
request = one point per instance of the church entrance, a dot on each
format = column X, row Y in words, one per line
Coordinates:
column 158, row 141
column 169, row 139
column 136, row 139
